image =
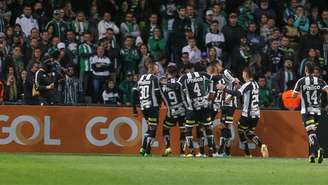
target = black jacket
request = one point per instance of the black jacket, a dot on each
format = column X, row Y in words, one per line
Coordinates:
column 43, row 79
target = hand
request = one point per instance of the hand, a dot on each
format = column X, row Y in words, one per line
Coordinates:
column 135, row 112
column 51, row 86
column 228, row 100
column 220, row 86
column 237, row 81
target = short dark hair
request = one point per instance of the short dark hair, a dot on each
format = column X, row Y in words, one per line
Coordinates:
column 310, row 67
column 172, row 70
column 248, row 72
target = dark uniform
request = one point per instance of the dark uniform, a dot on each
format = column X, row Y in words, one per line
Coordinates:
column 176, row 111
column 196, row 87
column 149, row 98
column 250, row 113
column 311, row 88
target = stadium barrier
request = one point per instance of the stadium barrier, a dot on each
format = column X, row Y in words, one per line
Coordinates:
column 114, row 130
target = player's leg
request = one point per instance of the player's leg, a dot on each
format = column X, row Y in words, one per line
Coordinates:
column 201, row 140
column 227, row 121
column 207, row 124
column 189, row 125
column 251, row 135
column 213, row 119
column 152, row 126
column 311, row 129
column 168, row 124
column 182, row 135
column 242, row 130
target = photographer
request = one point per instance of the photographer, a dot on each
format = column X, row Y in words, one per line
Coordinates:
column 45, row 83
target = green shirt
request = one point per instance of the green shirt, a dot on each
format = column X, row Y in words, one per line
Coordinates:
column 85, row 52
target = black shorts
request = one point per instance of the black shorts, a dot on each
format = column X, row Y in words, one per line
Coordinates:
column 246, row 123
column 213, row 114
column 151, row 115
column 227, row 115
column 310, row 121
column 198, row 117
column 170, row 122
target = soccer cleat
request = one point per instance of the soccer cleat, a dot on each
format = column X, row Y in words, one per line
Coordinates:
column 264, row 151
column 320, row 155
column 215, row 154
column 312, row 159
column 248, row 156
column 199, row 155
column 189, row 155
column 167, row 152
column 142, row 151
column 147, row 155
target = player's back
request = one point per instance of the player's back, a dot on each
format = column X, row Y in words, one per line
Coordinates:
column 173, row 98
column 250, row 94
column 196, row 86
column 310, row 88
column 148, row 87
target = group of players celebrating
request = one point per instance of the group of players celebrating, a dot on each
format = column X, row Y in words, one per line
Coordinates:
column 193, row 100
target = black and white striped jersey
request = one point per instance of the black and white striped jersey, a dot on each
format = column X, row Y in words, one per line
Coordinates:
column 196, row 87
column 173, row 99
column 219, row 94
column 250, row 96
column 310, row 88
column 148, row 88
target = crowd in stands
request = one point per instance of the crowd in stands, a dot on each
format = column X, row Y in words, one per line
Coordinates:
column 103, row 46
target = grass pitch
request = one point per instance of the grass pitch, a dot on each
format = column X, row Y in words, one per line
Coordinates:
column 49, row 169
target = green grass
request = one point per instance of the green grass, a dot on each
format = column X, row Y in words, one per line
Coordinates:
column 49, row 169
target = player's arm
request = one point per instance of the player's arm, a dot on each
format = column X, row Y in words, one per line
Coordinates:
column 135, row 96
column 297, row 88
column 237, row 93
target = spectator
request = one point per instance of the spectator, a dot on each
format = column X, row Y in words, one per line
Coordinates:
column 290, row 10
column 149, row 29
column 218, row 15
column 196, row 25
column 314, row 16
column 245, row 16
column 44, row 43
column 264, row 8
column 126, row 88
column 11, row 91
column 72, row 46
column 110, row 95
column 5, row 15
column 285, row 76
column 286, row 49
column 177, row 38
column 72, row 87
column 100, row 66
column 129, row 27
column 80, row 24
column 323, row 23
column 256, row 41
column 193, row 51
column 57, row 27
column 240, row 57
column 129, row 56
column 184, row 60
column 29, row 85
column 301, row 22
column 212, row 56
column 265, row 93
column 86, row 50
column 26, row 21
column 311, row 57
column 266, row 29
column 156, row 44
column 291, row 31
column 311, row 40
column 16, row 61
column 215, row 38
column 106, row 23
column 40, row 15
column 20, row 86
column 273, row 58
column 36, row 57
column 232, row 33
column 145, row 59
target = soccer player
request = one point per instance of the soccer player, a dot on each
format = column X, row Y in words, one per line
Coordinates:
column 310, row 87
column 198, row 89
column 149, row 97
column 176, row 110
column 250, row 112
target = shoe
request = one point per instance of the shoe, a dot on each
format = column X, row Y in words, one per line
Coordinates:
column 147, row 155
column 221, row 155
column 320, row 155
column 199, row 155
column 189, row 156
column 167, row 152
column 142, row 151
column 312, row 159
column 215, row 154
column 264, row 151
column 248, row 156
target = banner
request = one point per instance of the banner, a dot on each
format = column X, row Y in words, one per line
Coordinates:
column 115, row 130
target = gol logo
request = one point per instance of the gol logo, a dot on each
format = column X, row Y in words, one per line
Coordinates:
column 41, row 131
column 113, row 132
